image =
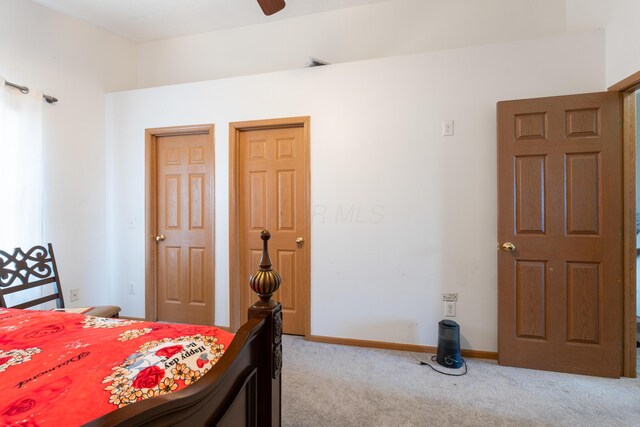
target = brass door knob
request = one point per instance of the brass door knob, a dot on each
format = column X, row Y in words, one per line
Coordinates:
column 508, row 247
column 300, row 242
column 160, row 238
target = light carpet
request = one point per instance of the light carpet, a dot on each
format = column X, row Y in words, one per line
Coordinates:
column 331, row 385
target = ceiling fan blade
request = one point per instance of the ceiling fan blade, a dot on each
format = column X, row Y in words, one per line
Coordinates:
column 269, row 7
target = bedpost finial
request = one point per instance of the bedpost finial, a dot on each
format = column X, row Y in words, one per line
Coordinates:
column 266, row 280
column 265, row 261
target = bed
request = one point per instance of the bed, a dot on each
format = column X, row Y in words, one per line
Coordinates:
column 72, row 369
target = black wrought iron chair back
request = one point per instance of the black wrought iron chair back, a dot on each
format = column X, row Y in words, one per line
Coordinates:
column 34, row 268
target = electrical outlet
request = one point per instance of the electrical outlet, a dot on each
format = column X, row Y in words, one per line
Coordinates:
column 450, row 309
column 132, row 288
column 73, row 295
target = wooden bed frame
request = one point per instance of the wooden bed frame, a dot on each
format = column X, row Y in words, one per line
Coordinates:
column 242, row 389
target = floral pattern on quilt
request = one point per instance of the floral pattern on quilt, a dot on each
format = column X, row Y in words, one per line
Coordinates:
column 66, row 369
column 132, row 334
column 105, row 323
column 16, row 357
column 42, row 398
column 161, row 366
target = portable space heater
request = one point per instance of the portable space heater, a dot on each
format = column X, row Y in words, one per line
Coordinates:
column 449, row 354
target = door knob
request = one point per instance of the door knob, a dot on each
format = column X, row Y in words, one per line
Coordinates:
column 508, row 247
column 300, row 242
column 160, row 238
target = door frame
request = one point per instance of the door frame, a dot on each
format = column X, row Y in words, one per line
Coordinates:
column 627, row 88
column 151, row 204
column 235, row 128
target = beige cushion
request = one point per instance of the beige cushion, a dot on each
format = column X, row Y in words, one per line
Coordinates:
column 104, row 311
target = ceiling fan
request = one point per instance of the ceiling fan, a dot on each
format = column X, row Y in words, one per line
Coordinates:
column 269, row 7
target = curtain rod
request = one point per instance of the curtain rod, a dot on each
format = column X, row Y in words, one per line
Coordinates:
column 50, row 99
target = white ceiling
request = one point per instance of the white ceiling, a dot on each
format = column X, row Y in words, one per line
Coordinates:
column 147, row 20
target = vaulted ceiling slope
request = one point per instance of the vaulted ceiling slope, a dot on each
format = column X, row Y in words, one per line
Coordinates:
column 146, row 20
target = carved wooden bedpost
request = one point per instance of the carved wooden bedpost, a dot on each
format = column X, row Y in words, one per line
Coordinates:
column 265, row 282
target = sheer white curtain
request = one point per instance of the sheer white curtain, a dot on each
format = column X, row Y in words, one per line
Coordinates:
column 20, row 175
column 20, row 168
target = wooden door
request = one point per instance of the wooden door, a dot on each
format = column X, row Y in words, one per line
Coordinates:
column 560, row 205
column 273, row 195
column 184, row 226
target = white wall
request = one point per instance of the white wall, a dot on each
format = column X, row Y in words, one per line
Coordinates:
column 383, row 29
column 77, row 63
column 376, row 148
column 622, row 40
column 619, row 19
column 390, row 28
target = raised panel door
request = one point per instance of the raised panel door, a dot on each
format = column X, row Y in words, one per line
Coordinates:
column 559, row 204
column 185, row 262
column 272, row 191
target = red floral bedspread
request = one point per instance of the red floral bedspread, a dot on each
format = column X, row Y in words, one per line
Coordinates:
column 66, row 369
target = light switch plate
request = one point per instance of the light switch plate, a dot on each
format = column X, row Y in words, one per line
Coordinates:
column 450, row 297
